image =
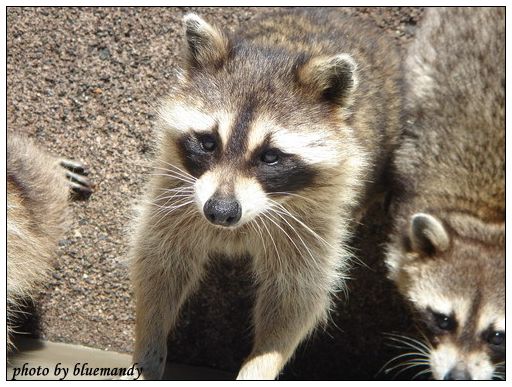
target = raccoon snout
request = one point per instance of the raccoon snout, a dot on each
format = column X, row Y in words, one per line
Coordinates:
column 458, row 374
column 223, row 212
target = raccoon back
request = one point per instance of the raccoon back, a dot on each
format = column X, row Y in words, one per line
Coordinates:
column 454, row 148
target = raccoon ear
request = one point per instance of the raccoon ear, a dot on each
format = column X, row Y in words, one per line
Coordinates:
column 206, row 45
column 334, row 78
column 427, row 234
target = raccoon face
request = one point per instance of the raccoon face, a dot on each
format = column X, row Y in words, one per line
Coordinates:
column 462, row 349
column 456, row 288
column 253, row 127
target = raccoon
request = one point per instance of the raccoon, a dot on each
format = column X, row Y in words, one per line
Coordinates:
column 268, row 147
column 447, row 253
column 37, row 200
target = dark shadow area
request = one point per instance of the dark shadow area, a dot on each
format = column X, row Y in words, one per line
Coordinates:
column 26, row 323
column 215, row 327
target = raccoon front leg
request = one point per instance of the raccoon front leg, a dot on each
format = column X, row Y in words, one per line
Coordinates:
column 160, row 292
column 290, row 303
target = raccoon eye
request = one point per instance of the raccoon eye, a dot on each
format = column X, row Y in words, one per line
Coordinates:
column 444, row 322
column 270, row 156
column 496, row 338
column 208, row 143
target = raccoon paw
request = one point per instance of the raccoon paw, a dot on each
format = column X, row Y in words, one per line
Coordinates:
column 81, row 187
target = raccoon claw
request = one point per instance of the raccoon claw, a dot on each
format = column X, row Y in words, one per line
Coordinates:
column 74, row 166
column 79, row 191
column 81, row 187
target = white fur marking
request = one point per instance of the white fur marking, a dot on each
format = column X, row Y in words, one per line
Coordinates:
column 480, row 366
column 490, row 315
column 183, row 119
column 252, row 198
column 312, row 147
column 443, row 359
column 205, row 187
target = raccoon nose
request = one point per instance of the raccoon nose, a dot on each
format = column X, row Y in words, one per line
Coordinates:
column 457, row 374
column 223, row 212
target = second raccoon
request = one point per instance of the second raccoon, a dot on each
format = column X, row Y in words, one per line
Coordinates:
column 38, row 186
column 447, row 252
column 267, row 146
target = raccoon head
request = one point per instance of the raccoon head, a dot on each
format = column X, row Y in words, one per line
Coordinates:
column 253, row 125
column 456, row 288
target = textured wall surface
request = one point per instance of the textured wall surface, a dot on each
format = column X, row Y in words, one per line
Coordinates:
column 82, row 83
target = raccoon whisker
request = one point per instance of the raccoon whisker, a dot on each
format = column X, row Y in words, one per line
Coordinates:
column 389, row 362
column 426, row 340
column 189, row 186
column 272, row 239
column 178, row 189
column 499, row 371
column 427, row 371
column 413, row 343
column 162, row 212
column 167, row 206
column 318, row 237
column 177, row 173
column 181, row 180
column 184, row 190
column 287, row 212
column 498, row 375
column 165, row 211
column 282, row 216
column 156, row 204
column 408, row 345
column 171, row 198
column 178, row 168
column 178, row 204
column 398, row 346
column 292, row 194
column 257, row 228
column 174, row 195
column 177, row 177
column 288, row 236
column 298, row 235
column 413, row 361
column 408, row 367
column 161, row 218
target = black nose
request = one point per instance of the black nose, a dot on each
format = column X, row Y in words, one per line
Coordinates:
column 458, row 374
column 223, row 212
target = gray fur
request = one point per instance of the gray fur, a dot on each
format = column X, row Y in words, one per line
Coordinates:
column 451, row 167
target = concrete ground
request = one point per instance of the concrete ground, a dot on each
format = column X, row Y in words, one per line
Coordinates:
column 46, row 360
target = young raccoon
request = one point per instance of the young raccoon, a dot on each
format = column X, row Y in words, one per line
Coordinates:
column 447, row 253
column 37, row 196
column 266, row 148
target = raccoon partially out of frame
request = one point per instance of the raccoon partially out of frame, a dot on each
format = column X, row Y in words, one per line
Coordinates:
column 447, row 252
column 38, row 187
column 268, row 146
